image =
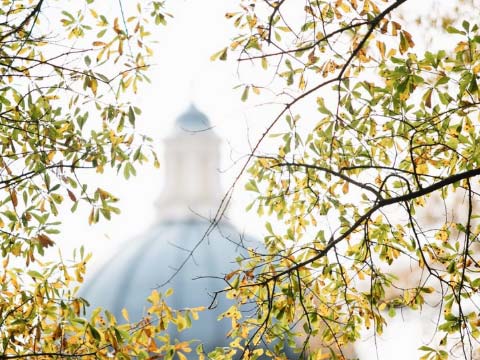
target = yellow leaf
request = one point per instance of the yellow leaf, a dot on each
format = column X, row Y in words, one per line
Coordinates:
column 91, row 217
column 181, row 323
column 120, row 47
column 395, row 27
column 154, row 297
column 361, row 275
column 378, row 220
column 422, row 168
column 252, row 21
column 93, row 85
column 476, row 69
column 264, row 63
column 442, row 234
column 184, row 346
column 51, row 155
column 125, row 314
column 302, row 84
column 42, row 206
column 116, row 28
column 76, row 307
column 381, row 48
column 343, row 6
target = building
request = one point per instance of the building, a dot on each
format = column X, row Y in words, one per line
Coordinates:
column 190, row 197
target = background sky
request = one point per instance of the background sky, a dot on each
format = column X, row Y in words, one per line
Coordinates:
column 183, row 73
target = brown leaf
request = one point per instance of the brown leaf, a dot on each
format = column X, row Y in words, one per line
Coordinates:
column 71, row 195
column 13, row 196
column 45, row 241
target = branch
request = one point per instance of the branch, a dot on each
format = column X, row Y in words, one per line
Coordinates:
column 47, row 354
column 30, row 16
column 382, row 203
column 334, row 173
column 224, row 203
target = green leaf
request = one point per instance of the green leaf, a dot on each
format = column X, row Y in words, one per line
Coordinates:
column 131, row 116
column 453, row 30
column 245, row 93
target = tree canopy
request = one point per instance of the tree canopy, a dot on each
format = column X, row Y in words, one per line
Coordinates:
column 386, row 175
column 65, row 76
column 377, row 166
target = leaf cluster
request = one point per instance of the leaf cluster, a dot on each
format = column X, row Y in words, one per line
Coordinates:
column 394, row 141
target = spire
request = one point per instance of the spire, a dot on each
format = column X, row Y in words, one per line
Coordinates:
column 192, row 160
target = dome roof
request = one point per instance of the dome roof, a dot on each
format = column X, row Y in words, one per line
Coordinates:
column 192, row 120
column 145, row 263
column 192, row 186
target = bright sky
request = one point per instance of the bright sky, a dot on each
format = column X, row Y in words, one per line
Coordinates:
column 184, row 73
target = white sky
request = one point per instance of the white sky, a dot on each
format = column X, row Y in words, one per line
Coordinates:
column 183, row 74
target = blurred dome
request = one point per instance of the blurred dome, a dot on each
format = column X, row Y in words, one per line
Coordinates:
column 192, row 120
column 150, row 260
column 190, row 197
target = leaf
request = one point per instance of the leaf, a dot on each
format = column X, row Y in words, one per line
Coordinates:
column 125, row 314
column 91, row 217
column 453, row 30
column 181, row 356
column 131, row 116
column 427, row 97
column 93, row 85
column 264, row 63
column 13, row 197
column 94, row 332
column 245, row 93
column 71, row 195
column 45, row 241
column 302, row 83
column 221, row 55
column 251, row 186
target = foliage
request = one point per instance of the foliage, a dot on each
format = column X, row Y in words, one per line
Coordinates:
column 64, row 76
column 395, row 132
column 386, row 175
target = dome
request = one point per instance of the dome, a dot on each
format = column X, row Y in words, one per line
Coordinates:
column 192, row 120
column 191, row 195
column 151, row 260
